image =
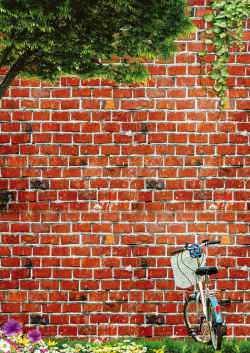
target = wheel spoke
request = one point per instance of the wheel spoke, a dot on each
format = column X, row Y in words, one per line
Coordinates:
column 198, row 329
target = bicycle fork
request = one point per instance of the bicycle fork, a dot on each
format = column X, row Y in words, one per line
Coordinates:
column 201, row 295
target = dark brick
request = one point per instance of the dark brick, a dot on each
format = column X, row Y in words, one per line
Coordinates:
column 39, row 184
column 154, row 319
column 6, row 197
column 39, row 319
column 155, row 184
column 28, row 263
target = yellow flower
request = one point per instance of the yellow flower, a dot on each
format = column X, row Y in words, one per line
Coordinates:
column 22, row 340
column 51, row 343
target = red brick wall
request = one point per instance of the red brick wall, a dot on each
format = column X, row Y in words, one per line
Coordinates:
column 99, row 183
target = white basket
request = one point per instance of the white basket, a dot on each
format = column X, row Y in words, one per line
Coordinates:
column 184, row 267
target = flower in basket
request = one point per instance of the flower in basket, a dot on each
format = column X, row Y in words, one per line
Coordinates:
column 12, row 328
column 34, row 336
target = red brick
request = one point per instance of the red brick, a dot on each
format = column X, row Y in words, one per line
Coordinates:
column 157, row 70
column 197, row 92
column 90, row 229
column 62, row 93
column 17, row 296
column 4, row 115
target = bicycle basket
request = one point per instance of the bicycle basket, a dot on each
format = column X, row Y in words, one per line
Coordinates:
column 184, row 267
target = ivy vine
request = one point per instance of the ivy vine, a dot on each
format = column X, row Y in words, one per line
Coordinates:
column 226, row 25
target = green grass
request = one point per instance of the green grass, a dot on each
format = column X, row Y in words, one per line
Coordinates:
column 166, row 345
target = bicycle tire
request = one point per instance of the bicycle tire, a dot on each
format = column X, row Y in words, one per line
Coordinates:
column 198, row 330
column 215, row 329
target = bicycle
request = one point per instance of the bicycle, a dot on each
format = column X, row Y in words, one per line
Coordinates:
column 202, row 313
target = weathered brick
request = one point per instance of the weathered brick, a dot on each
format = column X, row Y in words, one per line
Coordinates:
column 100, row 182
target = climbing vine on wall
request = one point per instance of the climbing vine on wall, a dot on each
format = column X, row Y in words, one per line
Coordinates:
column 225, row 28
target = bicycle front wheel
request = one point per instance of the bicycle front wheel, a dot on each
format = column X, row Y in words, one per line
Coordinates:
column 198, row 327
column 215, row 329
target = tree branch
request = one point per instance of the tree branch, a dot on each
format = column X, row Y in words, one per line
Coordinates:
column 8, row 50
column 5, row 54
column 14, row 70
column 59, row 53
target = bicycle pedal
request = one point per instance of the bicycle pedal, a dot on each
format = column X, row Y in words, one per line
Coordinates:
column 225, row 302
column 193, row 331
column 203, row 317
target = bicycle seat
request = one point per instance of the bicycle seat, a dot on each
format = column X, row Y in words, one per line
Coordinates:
column 206, row 270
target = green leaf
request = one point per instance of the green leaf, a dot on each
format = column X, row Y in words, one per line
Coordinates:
column 224, row 72
column 221, row 23
column 218, row 4
column 218, row 29
column 209, row 31
column 229, row 13
column 218, row 48
column 209, row 17
column 222, row 80
column 217, row 64
column 225, row 57
column 221, row 14
column 208, row 41
column 215, row 75
column 221, row 52
column 219, row 42
column 201, row 53
column 217, row 87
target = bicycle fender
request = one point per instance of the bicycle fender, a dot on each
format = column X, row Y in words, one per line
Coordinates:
column 215, row 304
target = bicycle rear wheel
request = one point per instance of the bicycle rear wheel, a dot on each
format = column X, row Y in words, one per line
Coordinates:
column 198, row 328
column 215, row 329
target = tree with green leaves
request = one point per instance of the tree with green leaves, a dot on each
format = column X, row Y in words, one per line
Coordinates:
column 48, row 39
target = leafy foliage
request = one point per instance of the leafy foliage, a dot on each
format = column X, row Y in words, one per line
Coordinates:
column 89, row 38
column 227, row 26
column 152, row 346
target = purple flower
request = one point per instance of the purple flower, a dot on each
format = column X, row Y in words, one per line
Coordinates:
column 34, row 336
column 12, row 328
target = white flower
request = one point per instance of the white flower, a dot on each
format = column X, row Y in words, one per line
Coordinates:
column 97, row 342
column 4, row 346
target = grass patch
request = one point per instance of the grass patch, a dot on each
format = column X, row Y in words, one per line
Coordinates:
column 147, row 346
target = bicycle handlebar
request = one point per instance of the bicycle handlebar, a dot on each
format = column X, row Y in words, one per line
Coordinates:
column 207, row 242
column 214, row 242
column 176, row 251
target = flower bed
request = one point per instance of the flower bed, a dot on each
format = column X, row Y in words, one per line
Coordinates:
column 13, row 340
